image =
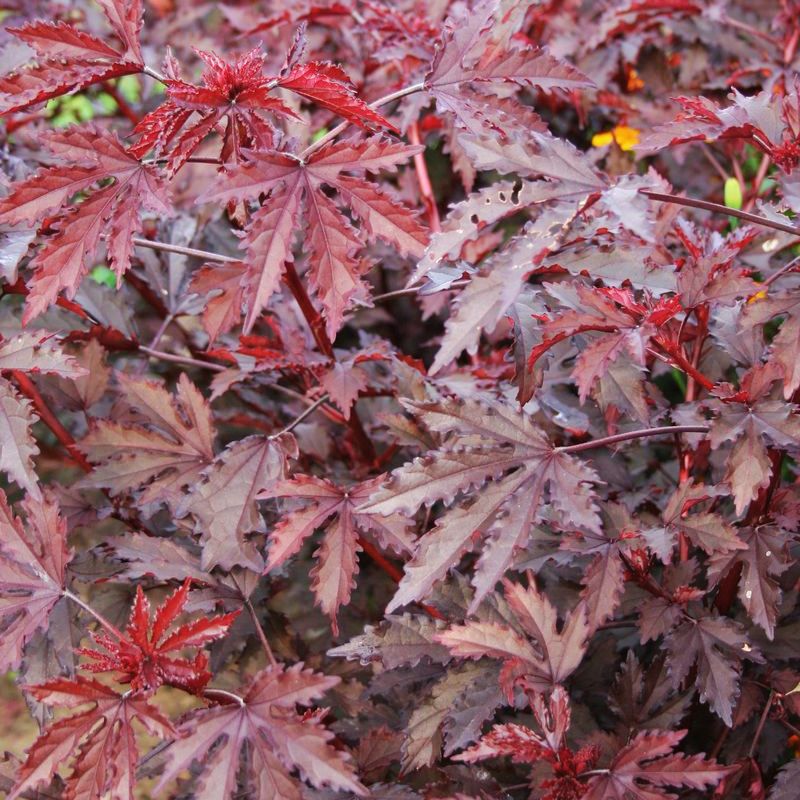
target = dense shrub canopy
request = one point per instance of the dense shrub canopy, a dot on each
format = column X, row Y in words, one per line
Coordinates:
column 398, row 399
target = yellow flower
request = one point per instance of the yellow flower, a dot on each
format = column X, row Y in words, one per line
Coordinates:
column 626, row 137
column 602, row 139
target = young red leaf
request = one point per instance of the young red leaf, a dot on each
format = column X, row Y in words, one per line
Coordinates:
column 141, row 655
column 236, row 93
column 294, row 186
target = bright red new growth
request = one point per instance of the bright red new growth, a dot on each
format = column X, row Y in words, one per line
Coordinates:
column 407, row 392
column 140, row 654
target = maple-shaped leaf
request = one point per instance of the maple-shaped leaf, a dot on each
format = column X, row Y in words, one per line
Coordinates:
column 142, row 654
column 469, row 71
column 526, row 746
column 400, row 640
column 642, row 698
column 111, row 212
column 68, row 59
column 540, row 654
column 468, row 694
column 224, row 501
column 334, row 509
column 627, row 326
column 292, row 186
column 766, row 120
column 170, row 449
column 708, row 275
column 239, row 93
column 749, row 425
column 30, row 352
column 762, row 559
column 659, row 614
column 99, row 742
column 33, row 561
column 783, row 347
column 704, row 529
column 263, row 737
column 717, row 646
column 508, row 470
column 647, row 763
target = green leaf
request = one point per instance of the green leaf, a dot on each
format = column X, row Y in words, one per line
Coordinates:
column 102, row 274
column 130, row 88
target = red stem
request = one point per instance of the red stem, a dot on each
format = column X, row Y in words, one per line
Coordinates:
column 720, row 209
column 28, row 388
column 763, row 167
column 424, row 180
column 683, row 363
column 20, row 288
column 122, row 104
column 392, row 571
column 629, row 435
column 317, row 325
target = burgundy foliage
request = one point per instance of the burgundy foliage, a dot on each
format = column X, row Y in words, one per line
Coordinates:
column 400, row 399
